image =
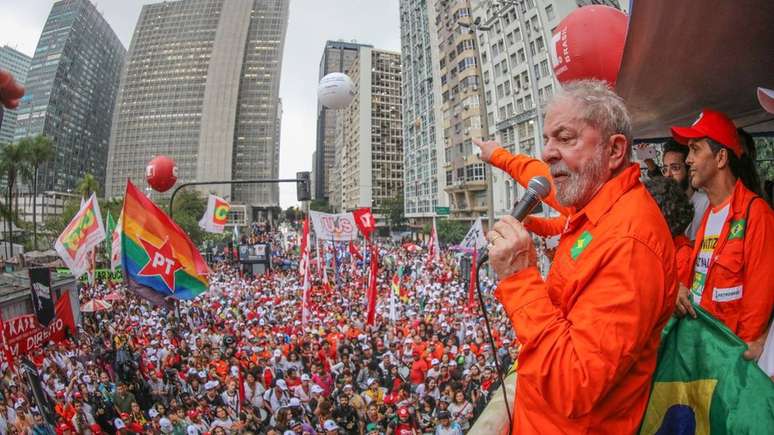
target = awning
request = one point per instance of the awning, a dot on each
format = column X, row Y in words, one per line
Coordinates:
column 683, row 55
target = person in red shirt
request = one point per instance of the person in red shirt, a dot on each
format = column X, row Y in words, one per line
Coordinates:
column 590, row 331
column 733, row 269
column 419, row 369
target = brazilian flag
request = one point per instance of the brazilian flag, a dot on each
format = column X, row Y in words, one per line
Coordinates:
column 702, row 384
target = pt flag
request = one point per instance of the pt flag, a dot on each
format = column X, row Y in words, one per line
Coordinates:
column 703, row 385
column 84, row 232
column 365, row 221
column 156, row 253
column 216, row 215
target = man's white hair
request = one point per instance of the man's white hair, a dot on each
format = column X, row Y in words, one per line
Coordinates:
column 600, row 107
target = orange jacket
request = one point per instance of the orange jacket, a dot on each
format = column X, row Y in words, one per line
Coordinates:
column 739, row 286
column 545, row 227
column 683, row 254
column 590, row 332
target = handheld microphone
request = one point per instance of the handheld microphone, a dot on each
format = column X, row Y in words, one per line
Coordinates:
column 538, row 188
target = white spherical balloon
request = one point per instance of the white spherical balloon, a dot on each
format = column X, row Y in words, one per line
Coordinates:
column 336, row 90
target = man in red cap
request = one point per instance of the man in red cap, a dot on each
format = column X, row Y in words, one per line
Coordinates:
column 733, row 275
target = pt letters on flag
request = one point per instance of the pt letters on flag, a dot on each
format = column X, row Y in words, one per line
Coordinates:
column 216, row 216
column 702, row 384
column 475, row 237
column 84, row 232
column 337, row 227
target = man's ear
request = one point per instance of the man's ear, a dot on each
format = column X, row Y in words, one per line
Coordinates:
column 721, row 158
column 618, row 149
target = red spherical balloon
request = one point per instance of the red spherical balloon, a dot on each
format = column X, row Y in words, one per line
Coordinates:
column 161, row 173
column 588, row 44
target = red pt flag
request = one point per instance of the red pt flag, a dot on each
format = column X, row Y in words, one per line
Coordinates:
column 372, row 286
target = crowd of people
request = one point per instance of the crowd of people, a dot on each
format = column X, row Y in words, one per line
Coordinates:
column 238, row 360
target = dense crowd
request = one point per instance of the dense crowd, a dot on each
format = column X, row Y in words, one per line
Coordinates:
column 238, row 360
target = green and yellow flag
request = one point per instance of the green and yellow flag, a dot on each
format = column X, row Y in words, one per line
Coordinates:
column 702, row 384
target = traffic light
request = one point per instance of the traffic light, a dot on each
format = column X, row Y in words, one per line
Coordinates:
column 303, row 187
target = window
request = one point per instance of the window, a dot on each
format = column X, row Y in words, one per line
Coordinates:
column 544, row 67
column 449, row 177
column 475, row 172
column 522, row 56
column 520, row 105
column 509, row 109
column 540, row 44
column 507, row 87
column 497, row 70
column 537, row 71
column 495, row 50
column 501, row 113
column 500, row 91
column 528, row 101
column 550, row 12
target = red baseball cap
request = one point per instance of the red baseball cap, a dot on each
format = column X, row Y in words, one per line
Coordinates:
column 714, row 125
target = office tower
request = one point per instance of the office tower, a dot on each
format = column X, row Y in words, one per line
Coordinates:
column 465, row 173
column 423, row 141
column 18, row 64
column 370, row 149
column 337, row 57
column 201, row 85
column 71, row 92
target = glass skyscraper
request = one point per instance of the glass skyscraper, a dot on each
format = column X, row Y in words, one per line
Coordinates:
column 201, row 85
column 18, row 64
column 71, row 92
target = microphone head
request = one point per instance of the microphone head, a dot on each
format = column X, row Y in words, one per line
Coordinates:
column 540, row 185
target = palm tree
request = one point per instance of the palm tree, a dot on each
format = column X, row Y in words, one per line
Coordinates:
column 39, row 150
column 87, row 186
column 13, row 165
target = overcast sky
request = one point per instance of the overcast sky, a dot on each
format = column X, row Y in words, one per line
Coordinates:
column 311, row 23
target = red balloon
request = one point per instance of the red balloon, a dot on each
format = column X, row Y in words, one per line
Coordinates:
column 588, row 44
column 161, row 173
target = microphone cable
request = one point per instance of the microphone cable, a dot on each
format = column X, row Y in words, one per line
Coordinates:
column 481, row 262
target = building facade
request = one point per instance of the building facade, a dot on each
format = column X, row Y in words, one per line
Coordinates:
column 518, row 77
column 465, row 173
column 18, row 64
column 337, row 57
column 370, row 148
column 423, row 141
column 71, row 92
column 201, row 85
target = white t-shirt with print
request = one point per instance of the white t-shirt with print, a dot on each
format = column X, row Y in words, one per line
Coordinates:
column 712, row 231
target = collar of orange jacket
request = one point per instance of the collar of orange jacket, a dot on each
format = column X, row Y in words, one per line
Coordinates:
column 609, row 194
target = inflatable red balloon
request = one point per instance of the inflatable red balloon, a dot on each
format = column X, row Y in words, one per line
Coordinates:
column 588, row 43
column 161, row 173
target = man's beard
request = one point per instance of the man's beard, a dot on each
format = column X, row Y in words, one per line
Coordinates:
column 577, row 188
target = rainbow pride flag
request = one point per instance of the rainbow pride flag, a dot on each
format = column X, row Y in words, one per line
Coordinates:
column 156, row 253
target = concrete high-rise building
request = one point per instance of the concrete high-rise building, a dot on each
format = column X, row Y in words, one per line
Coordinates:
column 201, row 85
column 71, row 92
column 18, row 64
column 463, row 121
column 423, row 141
column 517, row 76
column 370, row 149
column 337, row 57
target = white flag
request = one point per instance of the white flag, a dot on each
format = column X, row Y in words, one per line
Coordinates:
column 433, row 248
column 475, row 237
column 216, row 216
column 115, row 247
column 81, row 236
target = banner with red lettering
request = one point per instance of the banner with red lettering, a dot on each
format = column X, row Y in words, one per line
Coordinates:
column 337, row 227
column 25, row 333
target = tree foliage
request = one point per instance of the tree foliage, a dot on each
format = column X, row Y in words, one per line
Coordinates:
column 320, row 205
column 450, row 232
column 188, row 209
column 393, row 211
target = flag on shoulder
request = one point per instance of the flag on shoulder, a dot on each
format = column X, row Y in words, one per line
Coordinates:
column 79, row 238
column 156, row 253
column 216, row 215
column 703, row 385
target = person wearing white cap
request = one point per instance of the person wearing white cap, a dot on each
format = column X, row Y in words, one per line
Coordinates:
column 330, row 427
column 276, row 397
column 303, row 391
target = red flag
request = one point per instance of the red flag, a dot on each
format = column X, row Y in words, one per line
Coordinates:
column 241, row 389
column 354, row 251
column 372, row 286
column 473, row 278
column 365, row 221
column 305, row 269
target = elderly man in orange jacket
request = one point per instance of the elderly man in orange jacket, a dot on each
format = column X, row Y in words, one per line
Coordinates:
column 733, row 269
column 590, row 331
